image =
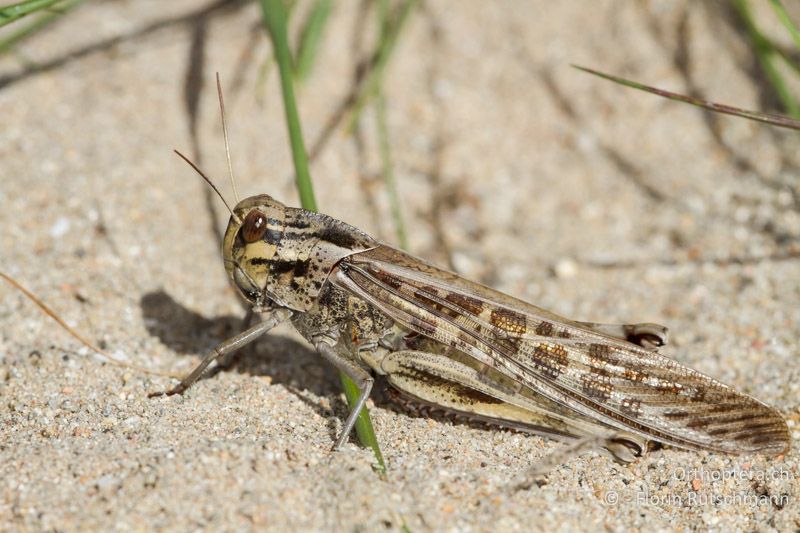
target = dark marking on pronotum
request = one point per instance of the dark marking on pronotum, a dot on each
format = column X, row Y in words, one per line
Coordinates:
column 296, row 235
column 301, row 268
column 298, row 223
column 282, row 266
column 272, row 236
column 338, row 236
column 297, row 268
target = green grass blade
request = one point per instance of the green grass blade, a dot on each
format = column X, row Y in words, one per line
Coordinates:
column 388, row 170
column 310, row 38
column 275, row 18
column 261, row 79
column 8, row 42
column 385, row 147
column 384, row 53
column 13, row 12
column 768, row 55
column 783, row 16
column 364, row 429
column 767, row 118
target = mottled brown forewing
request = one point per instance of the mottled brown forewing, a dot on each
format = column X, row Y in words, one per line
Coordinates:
column 594, row 375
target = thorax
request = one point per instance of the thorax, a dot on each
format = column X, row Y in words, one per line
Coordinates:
column 347, row 320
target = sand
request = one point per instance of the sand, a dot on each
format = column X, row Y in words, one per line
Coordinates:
column 514, row 169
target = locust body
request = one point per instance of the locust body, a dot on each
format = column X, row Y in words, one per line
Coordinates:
column 446, row 342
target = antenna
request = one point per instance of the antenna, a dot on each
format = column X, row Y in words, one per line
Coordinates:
column 225, row 135
column 211, row 184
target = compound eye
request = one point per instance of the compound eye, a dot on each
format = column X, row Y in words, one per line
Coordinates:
column 254, row 226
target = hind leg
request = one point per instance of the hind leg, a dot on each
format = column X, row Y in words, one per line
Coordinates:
column 647, row 335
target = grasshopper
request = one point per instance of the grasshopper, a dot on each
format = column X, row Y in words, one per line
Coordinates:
column 463, row 348
column 445, row 342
